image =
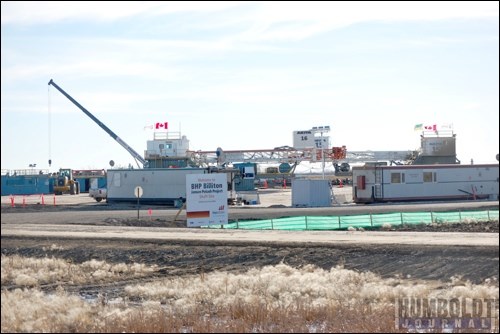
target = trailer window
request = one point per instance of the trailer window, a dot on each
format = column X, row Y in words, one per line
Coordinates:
column 116, row 180
column 427, row 176
column 395, row 177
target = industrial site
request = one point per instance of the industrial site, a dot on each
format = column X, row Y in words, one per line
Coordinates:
column 431, row 173
column 119, row 248
column 250, row 167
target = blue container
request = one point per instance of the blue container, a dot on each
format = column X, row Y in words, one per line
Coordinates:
column 27, row 184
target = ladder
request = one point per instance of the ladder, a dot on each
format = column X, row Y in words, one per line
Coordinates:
column 379, row 190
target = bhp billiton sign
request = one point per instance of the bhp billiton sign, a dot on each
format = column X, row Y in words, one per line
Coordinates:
column 206, row 199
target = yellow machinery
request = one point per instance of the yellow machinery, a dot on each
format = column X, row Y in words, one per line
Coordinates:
column 65, row 183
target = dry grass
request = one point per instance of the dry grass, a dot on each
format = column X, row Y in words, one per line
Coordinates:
column 31, row 272
column 271, row 299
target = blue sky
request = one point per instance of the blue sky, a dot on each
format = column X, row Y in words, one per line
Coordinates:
column 244, row 75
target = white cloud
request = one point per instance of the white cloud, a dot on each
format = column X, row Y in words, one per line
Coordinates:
column 43, row 12
column 301, row 20
column 200, row 66
column 271, row 20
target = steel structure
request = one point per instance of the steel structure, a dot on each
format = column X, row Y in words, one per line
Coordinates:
column 295, row 156
column 129, row 149
column 283, row 154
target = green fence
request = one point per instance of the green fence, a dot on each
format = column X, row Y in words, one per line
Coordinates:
column 364, row 221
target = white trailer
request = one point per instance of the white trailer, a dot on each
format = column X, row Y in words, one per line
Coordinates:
column 160, row 186
column 375, row 182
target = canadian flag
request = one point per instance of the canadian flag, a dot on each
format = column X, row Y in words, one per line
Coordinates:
column 431, row 127
column 163, row 125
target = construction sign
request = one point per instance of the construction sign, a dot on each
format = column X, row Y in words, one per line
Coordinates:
column 206, row 199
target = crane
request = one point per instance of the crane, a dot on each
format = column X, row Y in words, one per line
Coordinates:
column 129, row 149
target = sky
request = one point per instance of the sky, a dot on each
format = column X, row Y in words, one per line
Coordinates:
column 244, row 75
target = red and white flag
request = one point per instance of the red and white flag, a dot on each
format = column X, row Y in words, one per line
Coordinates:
column 163, row 125
column 432, row 127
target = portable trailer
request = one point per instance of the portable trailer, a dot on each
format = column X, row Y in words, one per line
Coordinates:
column 377, row 182
column 166, row 186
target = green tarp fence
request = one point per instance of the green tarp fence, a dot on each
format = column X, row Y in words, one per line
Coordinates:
column 364, row 221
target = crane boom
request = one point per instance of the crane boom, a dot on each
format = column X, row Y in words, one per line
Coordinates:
column 129, row 149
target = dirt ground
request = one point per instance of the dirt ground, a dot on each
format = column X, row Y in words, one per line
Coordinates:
column 184, row 257
column 178, row 258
